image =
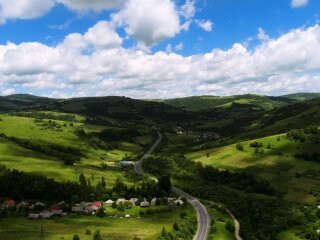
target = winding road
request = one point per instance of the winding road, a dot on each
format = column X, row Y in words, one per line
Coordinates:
column 203, row 216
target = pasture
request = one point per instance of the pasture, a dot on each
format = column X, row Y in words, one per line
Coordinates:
column 296, row 179
column 61, row 133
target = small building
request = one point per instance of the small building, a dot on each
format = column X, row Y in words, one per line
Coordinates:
column 121, row 200
column 153, row 201
column 127, row 216
column 34, row 216
column 46, row 214
column 109, row 202
column 96, row 204
column 134, row 200
column 178, row 202
column 9, row 203
column 57, row 212
column 144, row 204
column 126, row 163
column 77, row 209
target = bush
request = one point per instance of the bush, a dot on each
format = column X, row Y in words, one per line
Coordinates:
column 240, row 147
column 76, row 237
column 230, row 227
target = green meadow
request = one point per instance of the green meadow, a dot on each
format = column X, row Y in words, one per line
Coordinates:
column 147, row 228
column 15, row 156
column 298, row 180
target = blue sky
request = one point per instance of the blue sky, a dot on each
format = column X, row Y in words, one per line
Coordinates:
column 159, row 48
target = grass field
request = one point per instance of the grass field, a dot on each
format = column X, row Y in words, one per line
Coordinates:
column 16, row 157
column 276, row 165
column 147, row 228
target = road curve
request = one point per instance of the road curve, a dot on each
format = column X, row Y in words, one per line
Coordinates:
column 203, row 216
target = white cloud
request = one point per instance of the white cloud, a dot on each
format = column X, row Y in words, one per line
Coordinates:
column 80, row 65
column 206, row 25
column 188, row 10
column 9, row 91
column 24, row 9
column 179, row 47
column 262, row 35
column 299, row 3
column 95, row 5
column 149, row 21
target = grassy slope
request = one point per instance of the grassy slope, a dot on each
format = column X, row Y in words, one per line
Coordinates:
column 15, row 156
column 279, row 170
column 146, row 228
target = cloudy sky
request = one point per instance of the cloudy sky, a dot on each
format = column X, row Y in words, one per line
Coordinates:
column 159, row 48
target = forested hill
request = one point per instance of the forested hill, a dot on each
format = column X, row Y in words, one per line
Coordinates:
column 19, row 102
column 200, row 103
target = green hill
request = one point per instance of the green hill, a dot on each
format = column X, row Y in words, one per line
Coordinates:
column 19, row 102
column 201, row 103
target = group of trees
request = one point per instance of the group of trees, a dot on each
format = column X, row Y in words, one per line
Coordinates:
column 46, row 115
column 184, row 231
column 180, row 167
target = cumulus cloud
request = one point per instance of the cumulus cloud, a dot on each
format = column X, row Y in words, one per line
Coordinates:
column 299, row 3
column 24, row 9
column 80, row 65
column 206, row 25
column 149, row 21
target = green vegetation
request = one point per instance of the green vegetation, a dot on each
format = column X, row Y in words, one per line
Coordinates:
column 281, row 163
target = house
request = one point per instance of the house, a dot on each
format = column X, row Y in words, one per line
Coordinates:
column 96, row 204
column 34, row 216
column 77, row 209
column 126, row 163
column 9, row 203
column 109, row 202
column 46, row 214
column 153, row 201
column 121, row 200
column 134, row 200
column 21, row 205
column 178, row 202
column 57, row 212
column 144, row 204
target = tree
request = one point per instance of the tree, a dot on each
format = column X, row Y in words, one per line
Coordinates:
column 164, row 183
column 230, row 227
column 101, row 212
column 76, row 237
column 240, row 147
column 183, row 215
column 97, row 235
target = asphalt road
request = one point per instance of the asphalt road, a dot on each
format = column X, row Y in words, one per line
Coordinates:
column 203, row 216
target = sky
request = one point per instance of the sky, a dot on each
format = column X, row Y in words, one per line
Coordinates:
column 159, row 48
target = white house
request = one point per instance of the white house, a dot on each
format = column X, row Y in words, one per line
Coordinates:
column 144, row 204
column 109, row 202
column 153, row 201
column 46, row 214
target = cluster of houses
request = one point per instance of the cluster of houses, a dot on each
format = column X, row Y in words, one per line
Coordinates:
column 40, row 210
column 201, row 135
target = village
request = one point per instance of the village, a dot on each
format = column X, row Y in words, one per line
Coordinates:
column 39, row 210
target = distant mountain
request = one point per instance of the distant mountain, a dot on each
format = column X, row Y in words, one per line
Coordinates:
column 302, row 96
column 200, row 103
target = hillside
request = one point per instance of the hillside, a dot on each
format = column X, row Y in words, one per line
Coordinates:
column 19, row 102
column 201, row 103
